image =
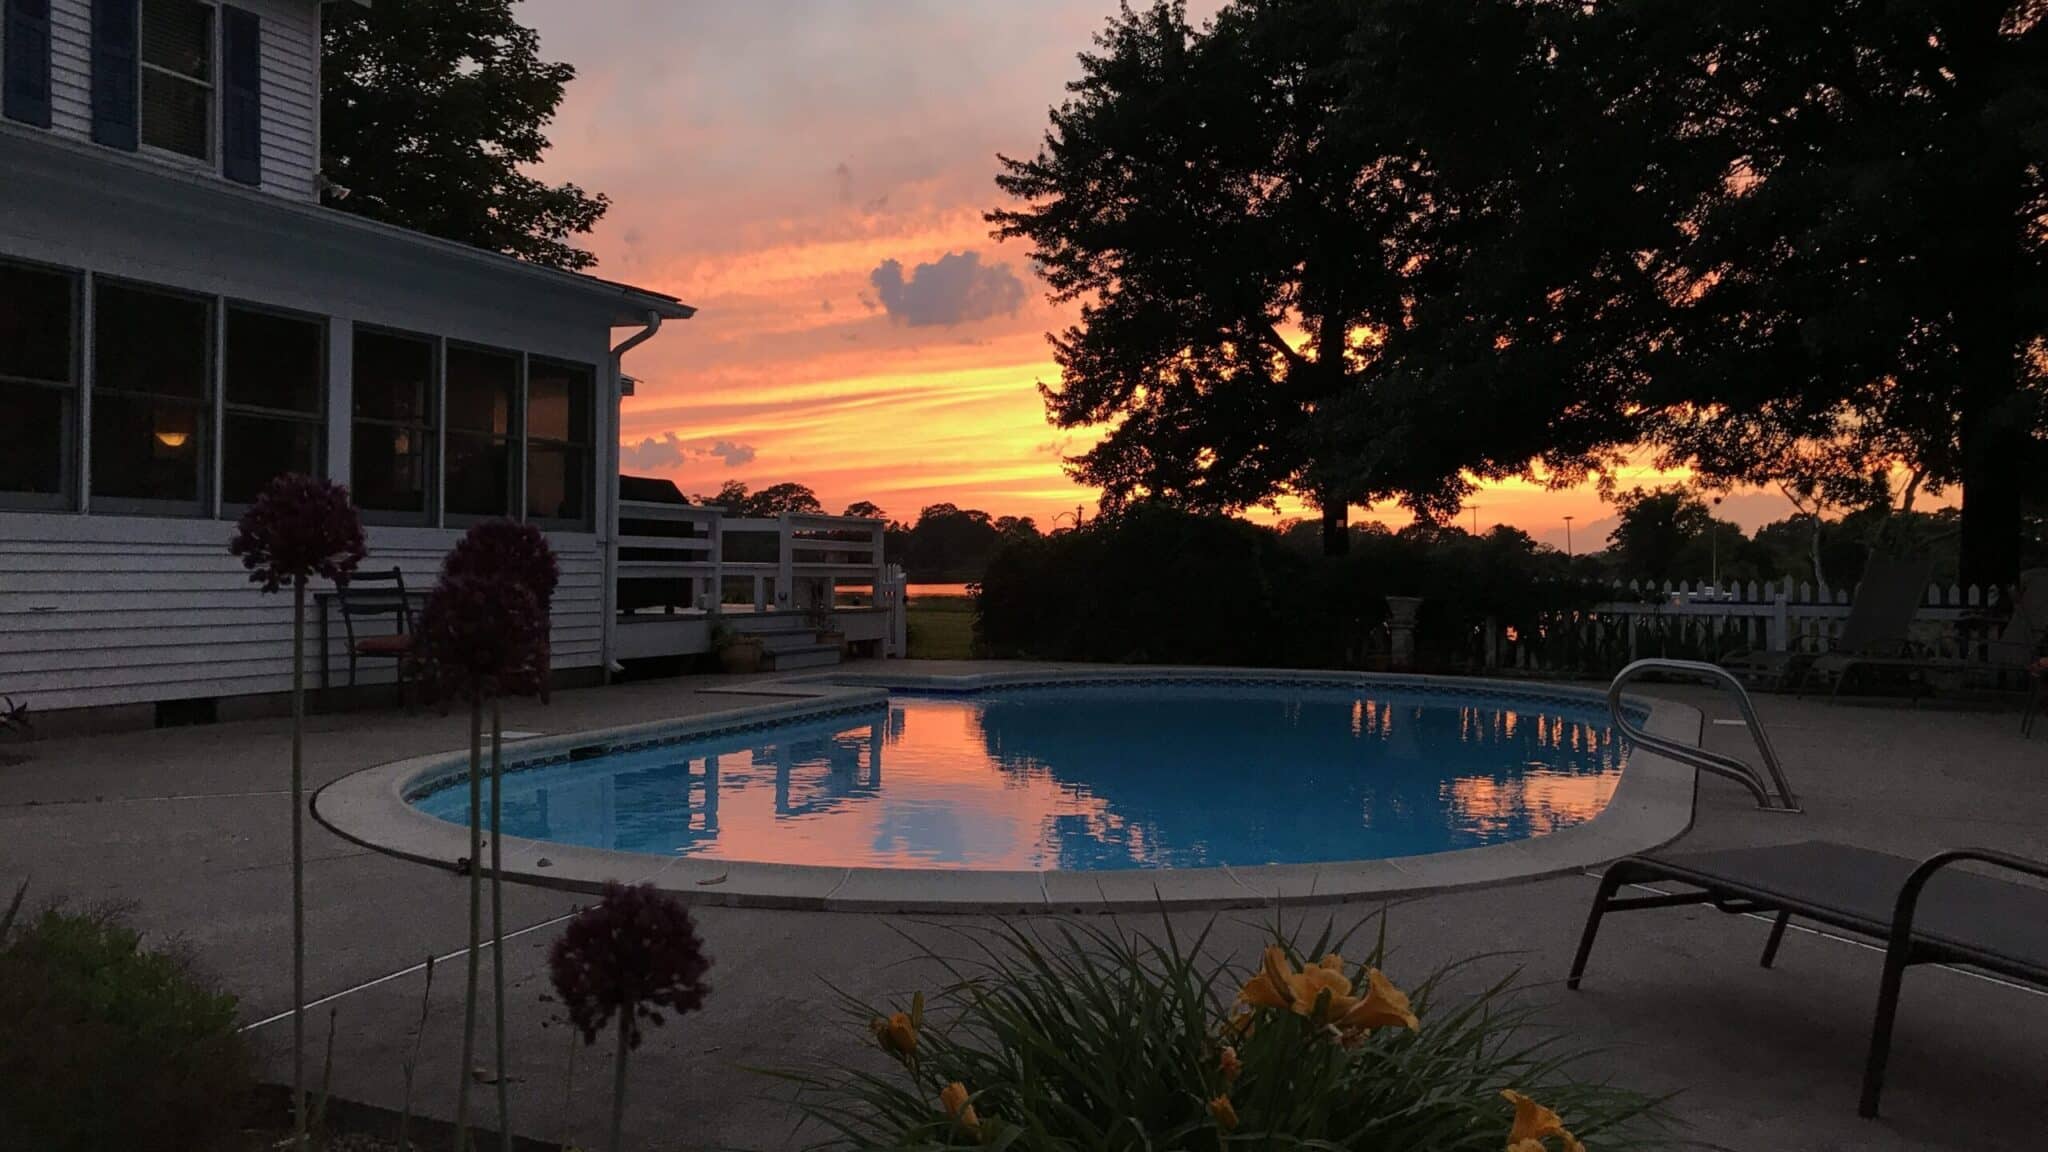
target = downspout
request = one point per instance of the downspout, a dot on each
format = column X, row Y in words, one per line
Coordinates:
column 610, row 542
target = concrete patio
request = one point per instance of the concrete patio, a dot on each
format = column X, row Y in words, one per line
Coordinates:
column 190, row 828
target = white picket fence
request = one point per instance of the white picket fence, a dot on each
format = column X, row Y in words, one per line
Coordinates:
column 1703, row 620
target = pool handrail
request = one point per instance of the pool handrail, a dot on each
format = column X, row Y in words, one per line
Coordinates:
column 1739, row 771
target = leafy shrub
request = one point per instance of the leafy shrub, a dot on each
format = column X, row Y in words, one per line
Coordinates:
column 105, row 1044
column 1152, row 585
column 1156, row 585
column 1083, row 1037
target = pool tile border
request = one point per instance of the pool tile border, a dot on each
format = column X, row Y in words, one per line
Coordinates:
column 1652, row 805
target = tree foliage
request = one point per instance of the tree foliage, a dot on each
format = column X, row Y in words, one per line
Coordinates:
column 431, row 112
column 1862, row 281
column 1369, row 250
column 737, row 500
column 1295, row 236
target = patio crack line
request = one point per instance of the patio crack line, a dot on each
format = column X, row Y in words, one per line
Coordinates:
column 400, row 974
column 844, row 876
column 76, row 801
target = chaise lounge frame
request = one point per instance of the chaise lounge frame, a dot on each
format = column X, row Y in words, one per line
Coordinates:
column 1969, row 919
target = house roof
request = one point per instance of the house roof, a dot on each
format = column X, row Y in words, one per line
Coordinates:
column 23, row 148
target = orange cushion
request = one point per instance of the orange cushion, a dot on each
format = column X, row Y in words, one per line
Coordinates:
column 395, row 644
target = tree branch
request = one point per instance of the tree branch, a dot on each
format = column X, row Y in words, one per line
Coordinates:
column 1273, row 340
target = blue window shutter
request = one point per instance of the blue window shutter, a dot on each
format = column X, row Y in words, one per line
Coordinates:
column 27, row 64
column 116, row 26
column 241, row 106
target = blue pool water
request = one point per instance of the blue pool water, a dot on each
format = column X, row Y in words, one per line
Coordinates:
column 1091, row 777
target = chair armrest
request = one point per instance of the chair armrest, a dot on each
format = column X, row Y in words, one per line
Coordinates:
column 1909, row 892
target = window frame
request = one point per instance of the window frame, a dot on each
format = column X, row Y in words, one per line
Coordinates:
column 207, row 404
column 587, row 521
column 226, row 408
column 72, row 432
column 211, row 161
column 430, row 429
column 514, row 437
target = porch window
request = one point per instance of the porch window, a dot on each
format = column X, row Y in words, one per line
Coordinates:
column 559, row 400
column 151, row 426
column 392, row 472
column 177, row 77
column 275, row 401
column 483, row 391
column 38, row 385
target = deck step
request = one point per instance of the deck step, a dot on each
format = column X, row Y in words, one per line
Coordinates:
column 807, row 656
column 786, row 641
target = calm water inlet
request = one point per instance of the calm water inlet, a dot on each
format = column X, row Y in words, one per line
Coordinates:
column 1113, row 775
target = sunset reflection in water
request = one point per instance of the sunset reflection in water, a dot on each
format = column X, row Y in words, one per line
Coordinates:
column 1094, row 777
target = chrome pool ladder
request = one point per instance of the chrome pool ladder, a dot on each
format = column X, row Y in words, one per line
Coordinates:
column 1772, row 794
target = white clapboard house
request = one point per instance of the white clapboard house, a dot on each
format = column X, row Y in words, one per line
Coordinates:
column 181, row 320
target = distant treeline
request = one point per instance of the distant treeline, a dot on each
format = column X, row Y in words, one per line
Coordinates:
column 945, row 544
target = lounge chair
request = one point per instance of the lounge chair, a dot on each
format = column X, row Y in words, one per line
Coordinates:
column 1876, row 632
column 1925, row 911
column 2006, row 656
column 2019, row 641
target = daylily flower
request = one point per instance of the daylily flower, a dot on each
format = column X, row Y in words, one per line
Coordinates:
column 954, row 1098
column 897, row 1035
column 1322, row 992
column 1384, row 1006
column 1224, row 1112
column 1228, row 1062
column 1534, row 1124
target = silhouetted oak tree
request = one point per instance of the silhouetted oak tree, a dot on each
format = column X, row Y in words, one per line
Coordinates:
column 430, row 110
column 1285, row 231
column 1862, row 279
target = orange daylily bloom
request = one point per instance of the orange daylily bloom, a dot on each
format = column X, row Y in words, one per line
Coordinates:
column 1383, row 1006
column 897, row 1034
column 1228, row 1062
column 954, row 1098
column 1534, row 1124
column 1224, row 1112
column 1322, row 991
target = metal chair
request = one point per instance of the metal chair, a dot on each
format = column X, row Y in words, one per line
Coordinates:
column 385, row 596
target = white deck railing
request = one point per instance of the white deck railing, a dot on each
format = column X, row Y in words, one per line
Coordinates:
column 684, row 560
column 1703, row 620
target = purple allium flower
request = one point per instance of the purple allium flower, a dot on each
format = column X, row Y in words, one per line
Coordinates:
column 299, row 527
column 483, row 637
column 634, row 951
column 509, row 549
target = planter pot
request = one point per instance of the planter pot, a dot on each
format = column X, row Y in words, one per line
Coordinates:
column 741, row 656
column 1401, row 626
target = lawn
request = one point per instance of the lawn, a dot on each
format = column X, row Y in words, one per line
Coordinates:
column 941, row 628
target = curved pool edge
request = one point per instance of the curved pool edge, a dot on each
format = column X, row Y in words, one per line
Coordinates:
column 1651, row 806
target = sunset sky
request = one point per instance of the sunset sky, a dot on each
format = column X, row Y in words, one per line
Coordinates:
column 811, row 174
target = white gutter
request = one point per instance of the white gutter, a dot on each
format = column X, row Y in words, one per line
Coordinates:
column 610, row 542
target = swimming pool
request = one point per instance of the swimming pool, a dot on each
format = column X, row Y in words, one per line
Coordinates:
column 1113, row 775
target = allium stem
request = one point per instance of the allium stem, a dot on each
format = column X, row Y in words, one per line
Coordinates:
column 298, row 864
column 476, row 832
column 498, row 922
column 619, row 1079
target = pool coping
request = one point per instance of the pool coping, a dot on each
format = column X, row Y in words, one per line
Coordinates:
column 1652, row 805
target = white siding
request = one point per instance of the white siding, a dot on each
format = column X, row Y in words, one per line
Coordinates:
column 291, row 87
column 71, row 68
column 291, row 95
column 99, row 610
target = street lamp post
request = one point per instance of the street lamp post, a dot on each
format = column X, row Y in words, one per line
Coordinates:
column 1568, row 537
